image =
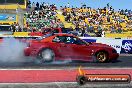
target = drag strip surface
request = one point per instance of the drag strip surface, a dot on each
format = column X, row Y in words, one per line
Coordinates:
column 42, row 76
column 122, row 62
column 65, row 85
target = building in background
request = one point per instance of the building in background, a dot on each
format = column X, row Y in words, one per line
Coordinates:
column 12, row 11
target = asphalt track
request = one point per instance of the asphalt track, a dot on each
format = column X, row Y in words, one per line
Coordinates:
column 65, row 85
column 122, row 62
column 122, row 65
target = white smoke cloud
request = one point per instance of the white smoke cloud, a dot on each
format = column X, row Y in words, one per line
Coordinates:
column 11, row 50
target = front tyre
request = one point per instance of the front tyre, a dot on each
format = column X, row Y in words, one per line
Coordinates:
column 46, row 55
column 102, row 57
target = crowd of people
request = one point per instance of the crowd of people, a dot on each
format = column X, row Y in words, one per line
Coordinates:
column 98, row 19
column 42, row 16
column 85, row 19
column 15, row 27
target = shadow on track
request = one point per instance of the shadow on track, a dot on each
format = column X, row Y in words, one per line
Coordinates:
column 31, row 63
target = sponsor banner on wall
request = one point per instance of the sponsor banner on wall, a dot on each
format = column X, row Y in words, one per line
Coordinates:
column 126, row 46
column 115, row 43
column 7, row 17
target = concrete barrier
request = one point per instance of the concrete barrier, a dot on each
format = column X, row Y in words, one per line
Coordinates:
column 119, row 35
column 24, row 34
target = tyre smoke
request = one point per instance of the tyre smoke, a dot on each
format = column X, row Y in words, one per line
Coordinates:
column 11, row 50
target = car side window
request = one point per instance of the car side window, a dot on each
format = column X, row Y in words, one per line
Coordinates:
column 73, row 40
column 69, row 40
column 59, row 39
column 78, row 41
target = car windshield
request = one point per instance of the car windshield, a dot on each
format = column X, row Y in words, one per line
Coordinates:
column 45, row 36
column 66, row 30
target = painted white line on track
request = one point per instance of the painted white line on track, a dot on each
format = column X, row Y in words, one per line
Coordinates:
column 40, row 83
column 125, row 54
column 34, row 83
column 92, row 68
column 57, row 84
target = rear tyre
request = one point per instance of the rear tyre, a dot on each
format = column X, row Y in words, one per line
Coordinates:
column 46, row 55
column 102, row 57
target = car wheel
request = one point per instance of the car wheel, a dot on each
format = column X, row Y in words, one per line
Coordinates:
column 102, row 57
column 81, row 80
column 47, row 55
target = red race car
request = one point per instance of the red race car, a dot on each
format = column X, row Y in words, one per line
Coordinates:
column 64, row 46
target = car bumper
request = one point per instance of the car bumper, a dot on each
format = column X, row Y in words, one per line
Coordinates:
column 114, row 56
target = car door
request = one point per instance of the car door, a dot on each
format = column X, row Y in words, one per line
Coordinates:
column 81, row 50
column 62, row 49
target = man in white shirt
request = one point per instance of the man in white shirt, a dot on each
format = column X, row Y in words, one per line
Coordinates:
column 103, row 34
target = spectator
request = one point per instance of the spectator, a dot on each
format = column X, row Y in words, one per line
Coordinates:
column 119, row 30
column 37, row 5
column 112, row 29
column 13, row 27
column 33, row 6
column 84, row 17
column 29, row 4
column 83, row 32
column 103, row 34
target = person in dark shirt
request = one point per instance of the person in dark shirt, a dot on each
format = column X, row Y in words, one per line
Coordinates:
column 99, row 33
column 83, row 32
column 37, row 5
column 13, row 28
